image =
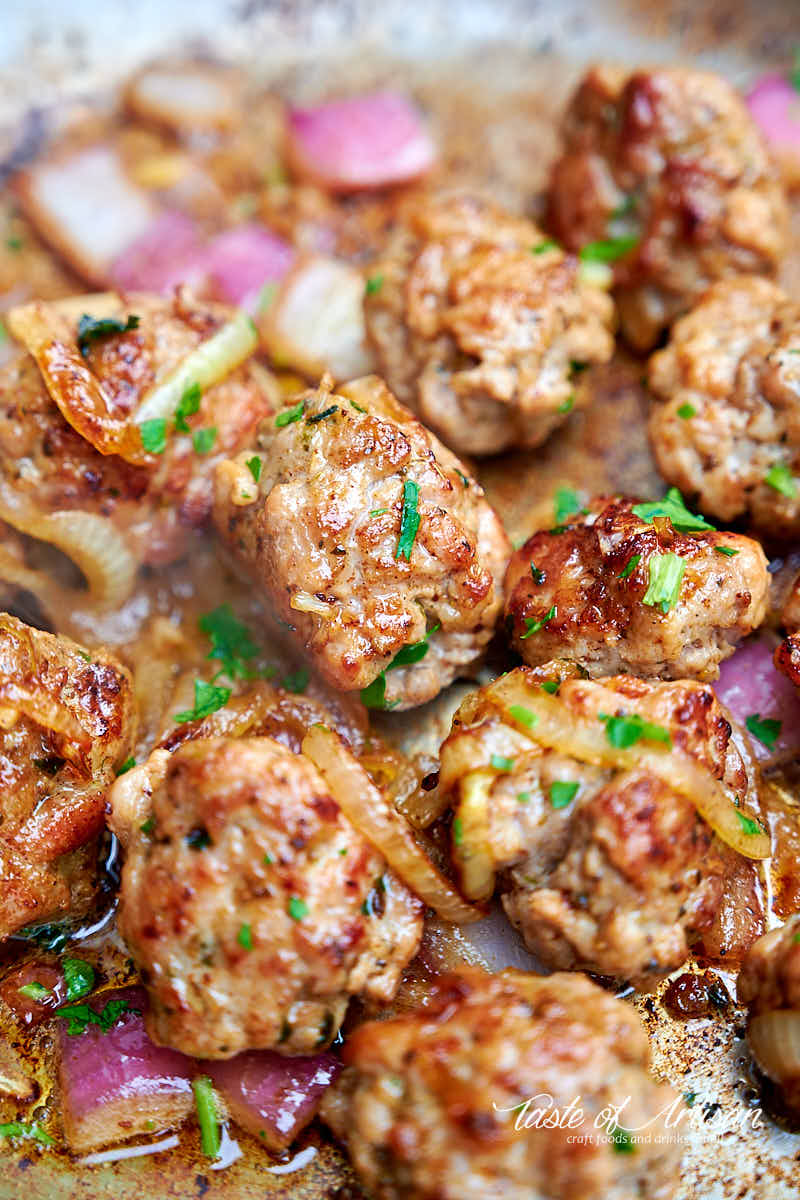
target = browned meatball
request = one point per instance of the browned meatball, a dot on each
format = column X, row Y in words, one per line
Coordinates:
column 669, row 162
column 787, row 658
column 68, row 438
column 479, row 320
column 590, row 592
column 367, row 537
column 436, row 1104
column 769, row 985
column 603, row 858
column 252, row 907
column 65, row 724
column 727, row 429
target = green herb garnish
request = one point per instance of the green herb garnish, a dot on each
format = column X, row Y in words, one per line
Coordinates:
column 128, row 765
column 409, row 520
column 207, row 1118
column 80, row 1016
column 231, row 642
column 728, row 551
column 780, row 477
column 543, row 247
column 630, row 566
column 290, row 415
column 458, row 831
column 35, row 991
column 154, row 435
column 254, row 467
column 567, row 503
column 208, row 699
column 500, row 763
column 562, row 792
column 687, row 411
column 297, row 681
column 537, row 576
column 92, row 328
column 566, row 405
column 749, row 826
column 297, row 908
column 535, row 626
column 148, row 826
column 203, row 439
column 189, row 404
column 373, row 285
column 666, row 575
column 245, row 937
column 321, row 416
column 25, row 1129
column 78, row 976
column 671, row 506
column 766, row 729
column 610, row 249
column 623, row 731
column 523, row 715
column 621, row 1140
column 198, row 839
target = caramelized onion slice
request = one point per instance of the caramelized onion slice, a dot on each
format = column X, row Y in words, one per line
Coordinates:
column 374, row 818
column 568, row 732
column 774, row 1039
column 471, row 836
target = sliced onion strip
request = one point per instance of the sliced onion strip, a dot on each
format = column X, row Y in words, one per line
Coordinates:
column 569, row 733
column 368, row 810
column 774, row 1039
column 120, row 1152
column 471, row 851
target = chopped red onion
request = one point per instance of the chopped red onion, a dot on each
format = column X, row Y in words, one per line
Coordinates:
column 750, row 686
column 170, row 251
column 774, row 104
column 242, row 260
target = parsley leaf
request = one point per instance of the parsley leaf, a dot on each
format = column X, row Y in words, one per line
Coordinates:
column 231, row 642
column 537, row 576
column 35, row 991
column 780, row 477
column 245, row 937
column 203, row 439
column 413, row 653
column 208, row 699
column 80, row 1016
column 154, row 435
column 543, row 247
column 671, row 506
column 254, row 467
column 409, row 520
column 321, row 416
column 524, row 715
column 373, row 285
column 623, row 731
column 687, row 411
column 749, row 826
column 458, row 831
column 562, row 792
column 566, row 405
column 92, row 328
column 297, row 908
column 567, row 503
column 128, row 765
column 49, row 937
column 25, row 1129
column 207, row 1118
column 78, row 976
column 666, row 575
column 766, row 729
column 621, row 1140
column 374, row 694
column 289, row 415
column 501, row 763
column 609, row 250
column 551, row 686
column 297, row 681
column 535, row 626
column 630, row 566
column 189, row 404
column 728, row 551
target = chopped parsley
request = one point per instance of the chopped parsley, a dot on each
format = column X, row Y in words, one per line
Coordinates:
column 373, row 285
column 128, row 765
column 245, row 936
column 543, row 247
column 35, row 991
column 458, row 831
column 357, row 407
column 80, row 1016
column 49, row 937
column 25, row 1129
column 625, row 207
column 14, row 242
column 409, row 520
column 207, row 1118
column 567, row 504
column 154, row 435
column 780, row 477
column 321, row 416
column 290, row 415
column 666, row 575
column 188, row 405
column 148, row 826
column 610, row 249
column 92, row 328
column 537, row 576
column 534, row 626
column 378, row 512
column 208, row 699
column 198, row 839
column 621, row 1140
column 297, row 681
column 624, row 731
column 203, row 439
column 500, row 763
column 462, row 477
column 562, row 792
column 728, row 551
column 672, row 506
column 687, row 411
column 749, row 826
column 523, row 797
column 51, row 764
column 524, row 715
column 551, row 686
column 78, row 976
column 630, row 566
column 689, row 1098
column 254, row 467
column 766, row 729
column 374, row 695
column 566, row 405
column 231, row 643
column 297, row 908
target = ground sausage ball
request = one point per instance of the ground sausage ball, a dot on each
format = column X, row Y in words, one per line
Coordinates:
column 584, row 592
column 252, row 907
column 769, row 985
column 479, row 321
column 727, row 425
column 67, row 722
column 670, row 162
column 429, row 1104
column 602, row 867
column 367, row 537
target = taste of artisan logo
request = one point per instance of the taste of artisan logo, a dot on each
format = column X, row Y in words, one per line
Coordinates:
column 616, row 1122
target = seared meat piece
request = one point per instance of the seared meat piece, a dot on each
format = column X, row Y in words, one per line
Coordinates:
column 252, row 907
column 769, row 984
column 671, row 163
column 65, row 724
column 587, row 593
column 790, row 613
column 578, row 798
column 728, row 430
column 787, row 658
column 68, row 437
column 478, row 321
column 367, row 537
column 434, row 1104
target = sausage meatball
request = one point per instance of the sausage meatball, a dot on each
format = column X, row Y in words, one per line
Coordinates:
column 727, row 428
column 479, row 320
column 769, row 985
column 592, row 592
column 439, row 1103
column 669, row 169
column 65, row 724
column 252, row 907
column 372, row 544
column 68, row 440
column 604, row 861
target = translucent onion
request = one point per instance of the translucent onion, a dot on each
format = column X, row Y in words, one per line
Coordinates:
column 471, row 851
column 211, row 362
column 375, row 819
column 561, row 728
column 774, row 1039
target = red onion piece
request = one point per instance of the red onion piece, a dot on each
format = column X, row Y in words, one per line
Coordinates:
column 775, row 106
column 270, row 1095
column 369, row 141
column 118, row 1084
column 749, row 684
column 241, row 261
column 169, row 252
